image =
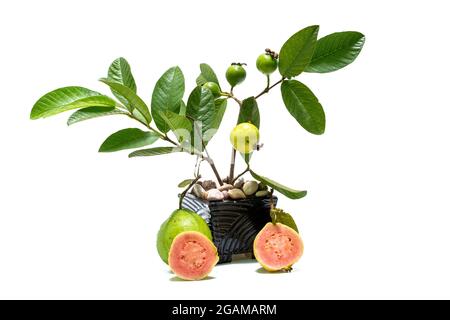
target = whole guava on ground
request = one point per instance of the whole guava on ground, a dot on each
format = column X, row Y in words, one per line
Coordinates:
column 179, row 221
column 277, row 247
column 192, row 256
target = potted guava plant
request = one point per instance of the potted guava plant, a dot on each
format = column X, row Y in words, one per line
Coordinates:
column 226, row 214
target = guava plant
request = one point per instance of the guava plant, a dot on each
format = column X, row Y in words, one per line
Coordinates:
column 189, row 127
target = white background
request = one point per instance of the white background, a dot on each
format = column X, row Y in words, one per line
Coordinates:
column 78, row 224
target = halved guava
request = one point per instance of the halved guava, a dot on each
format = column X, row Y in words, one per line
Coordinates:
column 192, row 256
column 179, row 221
column 277, row 247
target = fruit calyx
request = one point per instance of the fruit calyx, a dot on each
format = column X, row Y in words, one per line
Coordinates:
column 272, row 53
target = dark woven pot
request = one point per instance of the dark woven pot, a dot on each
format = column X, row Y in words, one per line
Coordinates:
column 234, row 224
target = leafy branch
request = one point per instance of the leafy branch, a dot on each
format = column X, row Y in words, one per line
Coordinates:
column 302, row 52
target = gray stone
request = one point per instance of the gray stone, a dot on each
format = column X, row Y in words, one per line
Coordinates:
column 208, row 185
column 262, row 186
column 214, row 195
column 250, row 187
column 225, row 194
column 239, row 183
column 236, row 194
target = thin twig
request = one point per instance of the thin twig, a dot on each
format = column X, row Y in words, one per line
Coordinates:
column 232, row 164
column 183, row 194
column 211, row 163
column 267, row 89
column 240, row 175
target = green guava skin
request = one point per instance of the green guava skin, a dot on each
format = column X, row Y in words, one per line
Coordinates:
column 235, row 74
column 266, row 64
column 244, row 137
column 179, row 221
column 214, row 87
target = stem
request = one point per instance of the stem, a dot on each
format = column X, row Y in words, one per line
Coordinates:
column 230, row 95
column 183, row 194
column 232, row 164
column 272, row 205
column 240, row 175
column 162, row 136
column 166, row 138
column 213, row 166
column 267, row 89
column 216, row 173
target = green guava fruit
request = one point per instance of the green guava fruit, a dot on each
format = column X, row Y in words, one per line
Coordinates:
column 266, row 63
column 179, row 221
column 277, row 247
column 244, row 137
column 192, row 255
column 235, row 74
column 214, row 87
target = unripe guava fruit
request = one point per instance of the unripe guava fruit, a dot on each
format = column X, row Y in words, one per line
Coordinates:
column 192, row 255
column 179, row 221
column 277, row 247
column 244, row 137
column 214, row 87
column 266, row 63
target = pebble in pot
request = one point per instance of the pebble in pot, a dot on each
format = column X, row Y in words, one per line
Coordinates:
column 239, row 183
column 225, row 194
column 215, row 195
column 198, row 191
column 250, row 187
column 262, row 193
column 208, row 185
column 226, row 187
column 262, row 186
column 236, row 194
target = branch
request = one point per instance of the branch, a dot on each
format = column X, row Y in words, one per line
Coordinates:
column 268, row 88
column 183, row 194
column 232, row 96
column 240, row 175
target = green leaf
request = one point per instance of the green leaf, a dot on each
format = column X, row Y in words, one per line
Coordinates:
column 139, row 116
column 119, row 71
column 134, row 101
column 288, row 192
column 246, row 156
column 335, row 51
column 207, row 74
column 297, row 51
column 279, row 216
column 167, row 95
column 303, row 105
column 202, row 109
column 153, row 151
column 128, row 139
column 185, row 183
column 178, row 124
column 182, row 108
column 92, row 112
column 68, row 98
column 221, row 105
column 249, row 112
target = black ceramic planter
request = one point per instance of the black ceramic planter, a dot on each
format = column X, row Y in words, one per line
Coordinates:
column 234, row 223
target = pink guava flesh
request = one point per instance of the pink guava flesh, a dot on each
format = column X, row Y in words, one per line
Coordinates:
column 277, row 247
column 192, row 256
